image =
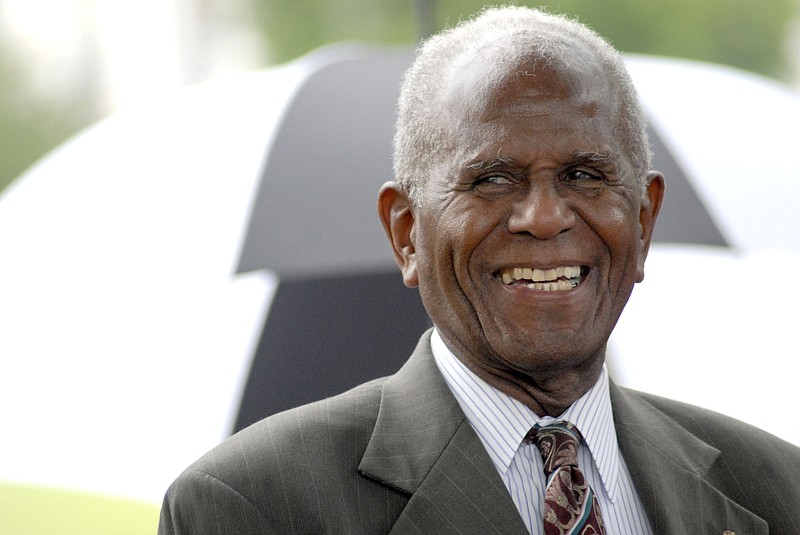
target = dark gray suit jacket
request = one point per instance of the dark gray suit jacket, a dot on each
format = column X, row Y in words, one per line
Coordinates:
column 397, row 455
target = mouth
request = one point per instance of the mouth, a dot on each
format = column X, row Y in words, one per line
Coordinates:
column 557, row 279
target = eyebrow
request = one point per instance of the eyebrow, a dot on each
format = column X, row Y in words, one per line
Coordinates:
column 497, row 161
column 583, row 157
column 594, row 157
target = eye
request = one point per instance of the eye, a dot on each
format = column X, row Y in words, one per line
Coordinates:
column 581, row 176
column 495, row 180
column 495, row 185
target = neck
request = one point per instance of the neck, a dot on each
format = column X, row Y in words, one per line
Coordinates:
column 547, row 391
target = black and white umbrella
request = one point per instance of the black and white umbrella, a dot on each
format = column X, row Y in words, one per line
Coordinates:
column 314, row 223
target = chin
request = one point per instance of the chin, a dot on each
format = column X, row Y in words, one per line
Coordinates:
column 547, row 353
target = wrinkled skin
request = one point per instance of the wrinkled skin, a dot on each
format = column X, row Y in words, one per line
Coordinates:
column 538, row 179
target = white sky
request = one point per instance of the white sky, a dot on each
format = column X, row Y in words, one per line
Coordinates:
column 127, row 51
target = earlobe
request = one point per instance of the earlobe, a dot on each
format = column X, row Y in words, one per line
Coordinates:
column 397, row 217
column 648, row 212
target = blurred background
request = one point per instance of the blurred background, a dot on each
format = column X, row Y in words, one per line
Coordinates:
column 128, row 318
column 67, row 63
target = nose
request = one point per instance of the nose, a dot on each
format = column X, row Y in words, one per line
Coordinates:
column 543, row 213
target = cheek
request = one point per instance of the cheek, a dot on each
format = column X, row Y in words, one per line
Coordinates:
column 619, row 231
column 471, row 241
column 451, row 264
column 462, row 228
column 435, row 261
column 614, row 217
column 624, row 246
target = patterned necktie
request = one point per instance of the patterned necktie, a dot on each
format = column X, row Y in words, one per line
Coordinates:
column 570, row 506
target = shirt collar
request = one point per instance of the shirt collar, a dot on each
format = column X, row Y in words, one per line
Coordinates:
column 502, row 422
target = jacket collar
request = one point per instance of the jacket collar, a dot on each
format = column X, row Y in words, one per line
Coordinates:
column 679, row 499
column 423, row 445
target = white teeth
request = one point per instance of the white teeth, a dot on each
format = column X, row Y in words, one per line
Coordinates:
column 548, row 280
column 541, row 275
column 553, row 286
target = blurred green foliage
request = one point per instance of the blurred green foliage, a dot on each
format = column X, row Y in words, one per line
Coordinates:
column 31, row 124
column 742, row 33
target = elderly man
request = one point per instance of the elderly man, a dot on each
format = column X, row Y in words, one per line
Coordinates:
column 522, row 209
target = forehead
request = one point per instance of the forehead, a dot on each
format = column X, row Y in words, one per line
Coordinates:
column 490, row 100
column 489, row 81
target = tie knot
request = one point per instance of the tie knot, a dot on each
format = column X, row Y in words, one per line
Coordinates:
column 558, row 443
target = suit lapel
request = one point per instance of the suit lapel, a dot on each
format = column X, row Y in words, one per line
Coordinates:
column 423, row 445
column 669, row 467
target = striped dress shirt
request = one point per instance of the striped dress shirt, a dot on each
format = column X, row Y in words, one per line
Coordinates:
column 502, row 422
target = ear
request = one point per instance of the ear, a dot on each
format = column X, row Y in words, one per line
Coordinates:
column 648, row 212
column 397, row 215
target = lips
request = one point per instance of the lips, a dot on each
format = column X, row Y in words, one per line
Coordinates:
column 549, row 280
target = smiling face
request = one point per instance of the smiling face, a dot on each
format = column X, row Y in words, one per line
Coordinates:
column 530, row 235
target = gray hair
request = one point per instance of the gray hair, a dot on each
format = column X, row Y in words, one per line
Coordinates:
column 516, row 33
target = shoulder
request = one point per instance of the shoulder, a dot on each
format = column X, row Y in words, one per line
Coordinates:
column 712, row 427
column 746, row 452
column 312, row 433
column 291, row 471
column 749, row 466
